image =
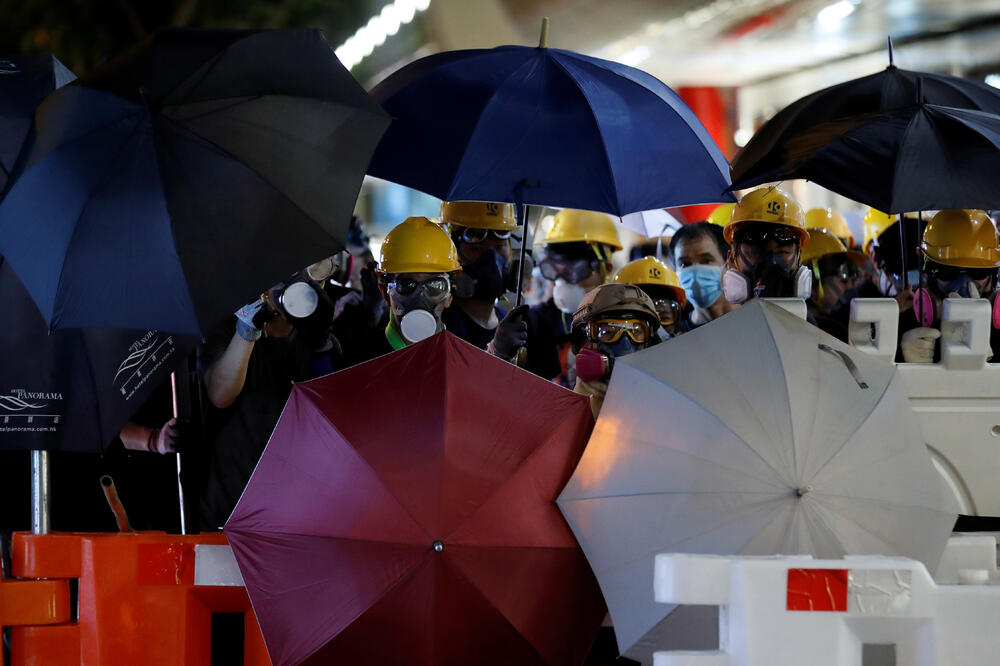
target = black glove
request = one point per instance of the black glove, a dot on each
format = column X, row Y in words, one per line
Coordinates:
column 171, row 437
column 511, row 335
column 371, row 296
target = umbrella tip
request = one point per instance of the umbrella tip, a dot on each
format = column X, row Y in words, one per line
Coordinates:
column 543, row 38
column 437, row 546
column 799, row 492
column 892, row 62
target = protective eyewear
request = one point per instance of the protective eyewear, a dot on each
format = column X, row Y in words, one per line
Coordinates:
column 571, row 270
column 949, row 273
column 436, row 287
column 473, row 235
column 668, row 310
column 611, row 330
column 755, row 235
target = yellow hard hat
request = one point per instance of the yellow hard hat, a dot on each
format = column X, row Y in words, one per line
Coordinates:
column 571, row 225
column 721, row 215
column 875, row 223
column 963, row 238
column 418, row 246
column 826, row 218
column 823, row 242
column 650, row 271
column 768, row 205
column 479, row 214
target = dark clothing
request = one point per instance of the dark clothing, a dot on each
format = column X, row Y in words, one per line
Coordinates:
column 835, row 324
column 460, row 324
column 237, row 434
column 359, row 341
column 549, row 338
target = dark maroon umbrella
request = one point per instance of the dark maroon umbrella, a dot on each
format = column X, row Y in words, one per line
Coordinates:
column 403, row 512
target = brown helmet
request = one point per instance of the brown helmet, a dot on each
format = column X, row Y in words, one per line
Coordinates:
column 615, row 298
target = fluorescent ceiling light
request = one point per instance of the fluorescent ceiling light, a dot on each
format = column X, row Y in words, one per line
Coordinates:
column 374, row 33
column 835, row 13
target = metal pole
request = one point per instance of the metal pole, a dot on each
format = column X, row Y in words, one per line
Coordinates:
column 522, row 220
column 40, row 492
column 180, row 486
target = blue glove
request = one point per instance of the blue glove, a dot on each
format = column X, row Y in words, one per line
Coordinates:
column 244, row 321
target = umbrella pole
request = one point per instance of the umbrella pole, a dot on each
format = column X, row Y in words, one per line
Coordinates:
column 180, row 486
column 40, row 492
column 522, row 220
column 902, row 251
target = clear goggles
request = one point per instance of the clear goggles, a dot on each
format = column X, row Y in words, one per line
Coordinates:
column 668, row 310
column 571, row 270
column 610, row 331
column 473, row 235
column 436, row 287
column 762, row 234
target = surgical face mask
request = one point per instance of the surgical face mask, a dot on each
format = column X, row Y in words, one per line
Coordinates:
column 567, row 296
column 417, row 306
column 702, row 283
column 486, row 278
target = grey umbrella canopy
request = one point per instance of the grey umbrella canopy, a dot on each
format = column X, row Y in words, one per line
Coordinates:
column 755, row 434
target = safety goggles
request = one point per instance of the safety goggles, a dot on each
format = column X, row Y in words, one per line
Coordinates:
column 762, row 235
column 571, row 270
column 668, row 310
column 437, row 287
column 611, row 330
column 473, row 235
column 949, row 273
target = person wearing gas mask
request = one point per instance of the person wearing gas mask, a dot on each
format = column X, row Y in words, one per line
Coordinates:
column 895, row 270
column 416, row 269
column 767, row 233
column 835, row 271
column 698, row 253
column 659, row 282
column 481, row 232
column 248, row 366
column 960, row 252
column 613, row 320
column 577, row 257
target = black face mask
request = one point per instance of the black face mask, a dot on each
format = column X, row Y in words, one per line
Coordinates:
column 772, row 277
column 486, row 278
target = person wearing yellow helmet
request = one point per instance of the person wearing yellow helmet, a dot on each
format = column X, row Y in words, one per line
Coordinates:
column 577, row 257
column 721, row 215
column 960, row 250
column 835, row 272
column 417, row 265
column 481, row 232
column 767, row 232
column 832, row 221
column 883, row 246
column 659, row 282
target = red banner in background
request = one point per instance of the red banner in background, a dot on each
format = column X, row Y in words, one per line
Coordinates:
column 710, row 107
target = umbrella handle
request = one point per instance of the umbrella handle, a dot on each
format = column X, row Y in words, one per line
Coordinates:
column 848, row 361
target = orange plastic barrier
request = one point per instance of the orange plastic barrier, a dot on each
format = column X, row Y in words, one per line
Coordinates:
column 137, row 602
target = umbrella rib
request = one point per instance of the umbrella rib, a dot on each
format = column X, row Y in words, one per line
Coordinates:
column 600, row 132
column 90, row 196
column 832, row 508
column 874, row 406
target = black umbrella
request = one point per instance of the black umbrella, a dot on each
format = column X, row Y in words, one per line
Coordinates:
column 888, row 90
column 73, row 390
column 921, row 157
column 174, row 183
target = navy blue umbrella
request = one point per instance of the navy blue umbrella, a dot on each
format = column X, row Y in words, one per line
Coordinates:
column 25, row 80
column 545, row 126
column 176, row 183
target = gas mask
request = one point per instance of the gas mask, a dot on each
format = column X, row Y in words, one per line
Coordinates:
column 486, row 278
column 567, row 296
column 609, row 339
column 953, row 282
column 771, row 277
column 417, row 306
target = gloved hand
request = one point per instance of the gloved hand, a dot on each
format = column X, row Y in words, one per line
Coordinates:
column 244, row 321
column 371, row 295
column 918, row 344
column 168, row 438
column 596, row 390
column 350, row 298
column 511, row 334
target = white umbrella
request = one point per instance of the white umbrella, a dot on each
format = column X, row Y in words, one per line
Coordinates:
column 652, row 223
column 754, row 434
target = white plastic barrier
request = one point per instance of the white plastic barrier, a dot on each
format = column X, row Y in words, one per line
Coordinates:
column 956, row 400
column 788, row 611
